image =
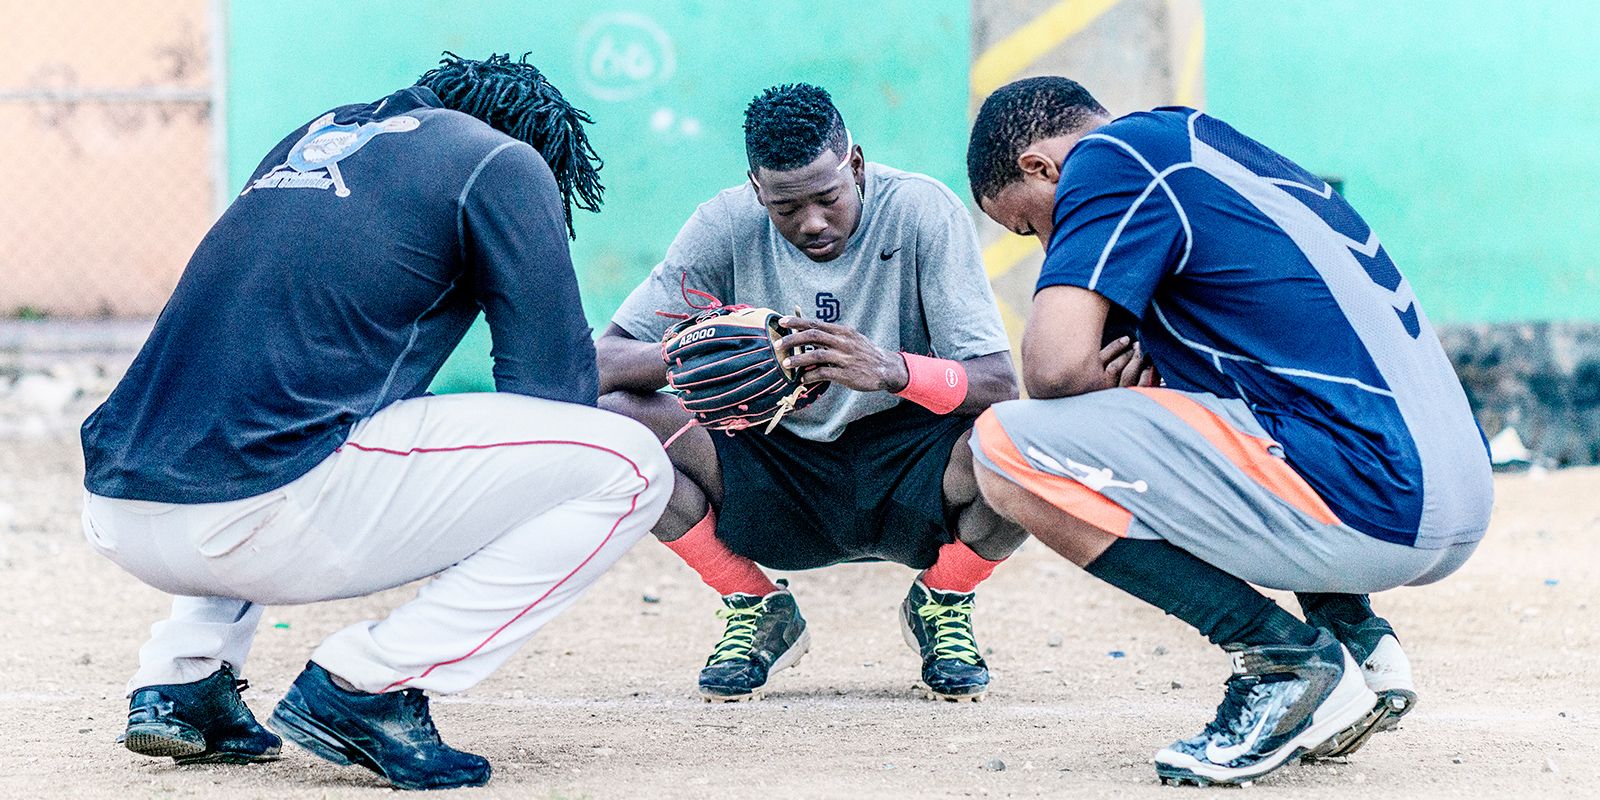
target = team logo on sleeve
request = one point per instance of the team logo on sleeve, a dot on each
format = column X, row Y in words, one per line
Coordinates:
column 827, row 307
column 313, row 162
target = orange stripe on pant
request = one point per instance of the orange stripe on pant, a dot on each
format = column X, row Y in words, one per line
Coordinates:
column 1064, row 493
column 1249, row 453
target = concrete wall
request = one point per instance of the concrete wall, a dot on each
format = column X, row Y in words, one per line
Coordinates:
column 1131, row 54
column 666, row 82
column 1464, row 129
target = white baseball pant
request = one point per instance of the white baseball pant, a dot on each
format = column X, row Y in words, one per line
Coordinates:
column 514, row 504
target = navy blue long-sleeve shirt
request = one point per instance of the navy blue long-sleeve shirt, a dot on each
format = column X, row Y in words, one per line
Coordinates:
column 336, row 284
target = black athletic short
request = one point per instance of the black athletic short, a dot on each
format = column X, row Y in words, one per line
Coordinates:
column 874, row 494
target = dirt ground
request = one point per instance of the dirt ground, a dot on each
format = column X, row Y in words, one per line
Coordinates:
column 1087, row 682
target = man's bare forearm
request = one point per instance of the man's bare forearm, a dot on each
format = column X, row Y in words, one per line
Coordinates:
column 990, row 379
column 627, row 364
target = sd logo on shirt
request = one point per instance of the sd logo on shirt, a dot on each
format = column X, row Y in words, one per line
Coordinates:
column 827, row 307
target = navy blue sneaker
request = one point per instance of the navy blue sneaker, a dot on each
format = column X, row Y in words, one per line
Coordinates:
column 763, row 636
column 1282, row 702
column 391, row 734
column 204, row 722
column 938, row 626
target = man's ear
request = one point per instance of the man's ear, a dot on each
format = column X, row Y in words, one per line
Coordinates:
column 1039, row 166
column 858, row 165
column 756, row 185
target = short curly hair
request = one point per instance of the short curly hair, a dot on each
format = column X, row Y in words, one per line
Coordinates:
column 786, row 127
column 1017, row 115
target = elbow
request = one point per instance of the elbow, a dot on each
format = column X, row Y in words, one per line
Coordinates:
column 1047, row 381
column 608, row 358
column 627, row 364
column 1003, row 385
column 990, row 379
column 603, row 360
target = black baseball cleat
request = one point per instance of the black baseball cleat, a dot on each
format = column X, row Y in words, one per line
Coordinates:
column 938, row 626
column 1387, row 672
column 391, row 734
column 1282, row 702
column 763, row 636
column 204, row 722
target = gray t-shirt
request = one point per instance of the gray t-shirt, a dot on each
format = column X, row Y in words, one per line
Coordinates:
column 911, row 279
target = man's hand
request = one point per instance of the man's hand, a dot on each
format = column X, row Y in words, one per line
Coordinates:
column 1125, row 364
column 839, row 353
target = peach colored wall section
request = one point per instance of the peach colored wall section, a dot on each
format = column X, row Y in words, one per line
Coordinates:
column 105, row 153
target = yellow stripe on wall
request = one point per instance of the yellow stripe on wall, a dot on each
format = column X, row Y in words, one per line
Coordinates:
column 1014, row 325
column 1005, row 253
column 1011, row 55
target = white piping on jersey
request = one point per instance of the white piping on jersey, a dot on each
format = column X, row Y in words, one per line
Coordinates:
column 1218, row 355
column 411, row 341
column 466, row 188
column 1326, row 192
column 1156, row 179
column 461, row 238
column 1403, row 297
column 1369, row 248
column 1457, row 489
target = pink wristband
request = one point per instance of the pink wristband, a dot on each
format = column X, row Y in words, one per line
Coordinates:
column 937, row 384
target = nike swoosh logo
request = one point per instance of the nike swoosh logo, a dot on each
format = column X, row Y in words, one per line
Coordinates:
column 1223, row 755
column 888, row 254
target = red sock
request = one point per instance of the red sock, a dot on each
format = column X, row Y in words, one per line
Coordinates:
column 958, row 569
column 721, row 568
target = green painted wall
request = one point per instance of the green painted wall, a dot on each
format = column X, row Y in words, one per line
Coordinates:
column 666, row 82
column 1468, row 133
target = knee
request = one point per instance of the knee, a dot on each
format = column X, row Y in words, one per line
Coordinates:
column 647, row 464
column 627, row 453
column 635, row 441
column 628, row 404
column 1000, row 494
column 658, row 412
column 960, row 485
column 987, row 533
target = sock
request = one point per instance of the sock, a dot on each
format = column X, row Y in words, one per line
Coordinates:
column 344, row 685
column 958, row 569
column 1339, row 613
column 721, row 568
column 1222, row 607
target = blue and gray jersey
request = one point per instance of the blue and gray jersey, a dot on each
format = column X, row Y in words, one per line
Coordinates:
column 1254, row 280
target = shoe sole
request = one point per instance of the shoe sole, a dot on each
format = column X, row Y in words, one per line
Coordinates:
column 160, row 745
column 1384, row 716
column 1313, row 738
column 225, row 757
column 295, row 726
column 928, row 692
column 317, row 739
column 790, row 658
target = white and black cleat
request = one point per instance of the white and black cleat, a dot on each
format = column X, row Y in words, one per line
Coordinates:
column 1281, row 703
column 1387, row 672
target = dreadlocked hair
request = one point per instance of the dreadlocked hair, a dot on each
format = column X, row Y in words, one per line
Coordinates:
column 786, row 127
column 515, row 98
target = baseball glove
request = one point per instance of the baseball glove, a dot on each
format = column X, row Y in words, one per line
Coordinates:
column 724, row 364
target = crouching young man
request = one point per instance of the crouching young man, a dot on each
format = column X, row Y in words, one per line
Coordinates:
column 1311, row 435
column 902, row 323
column 273, row 442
